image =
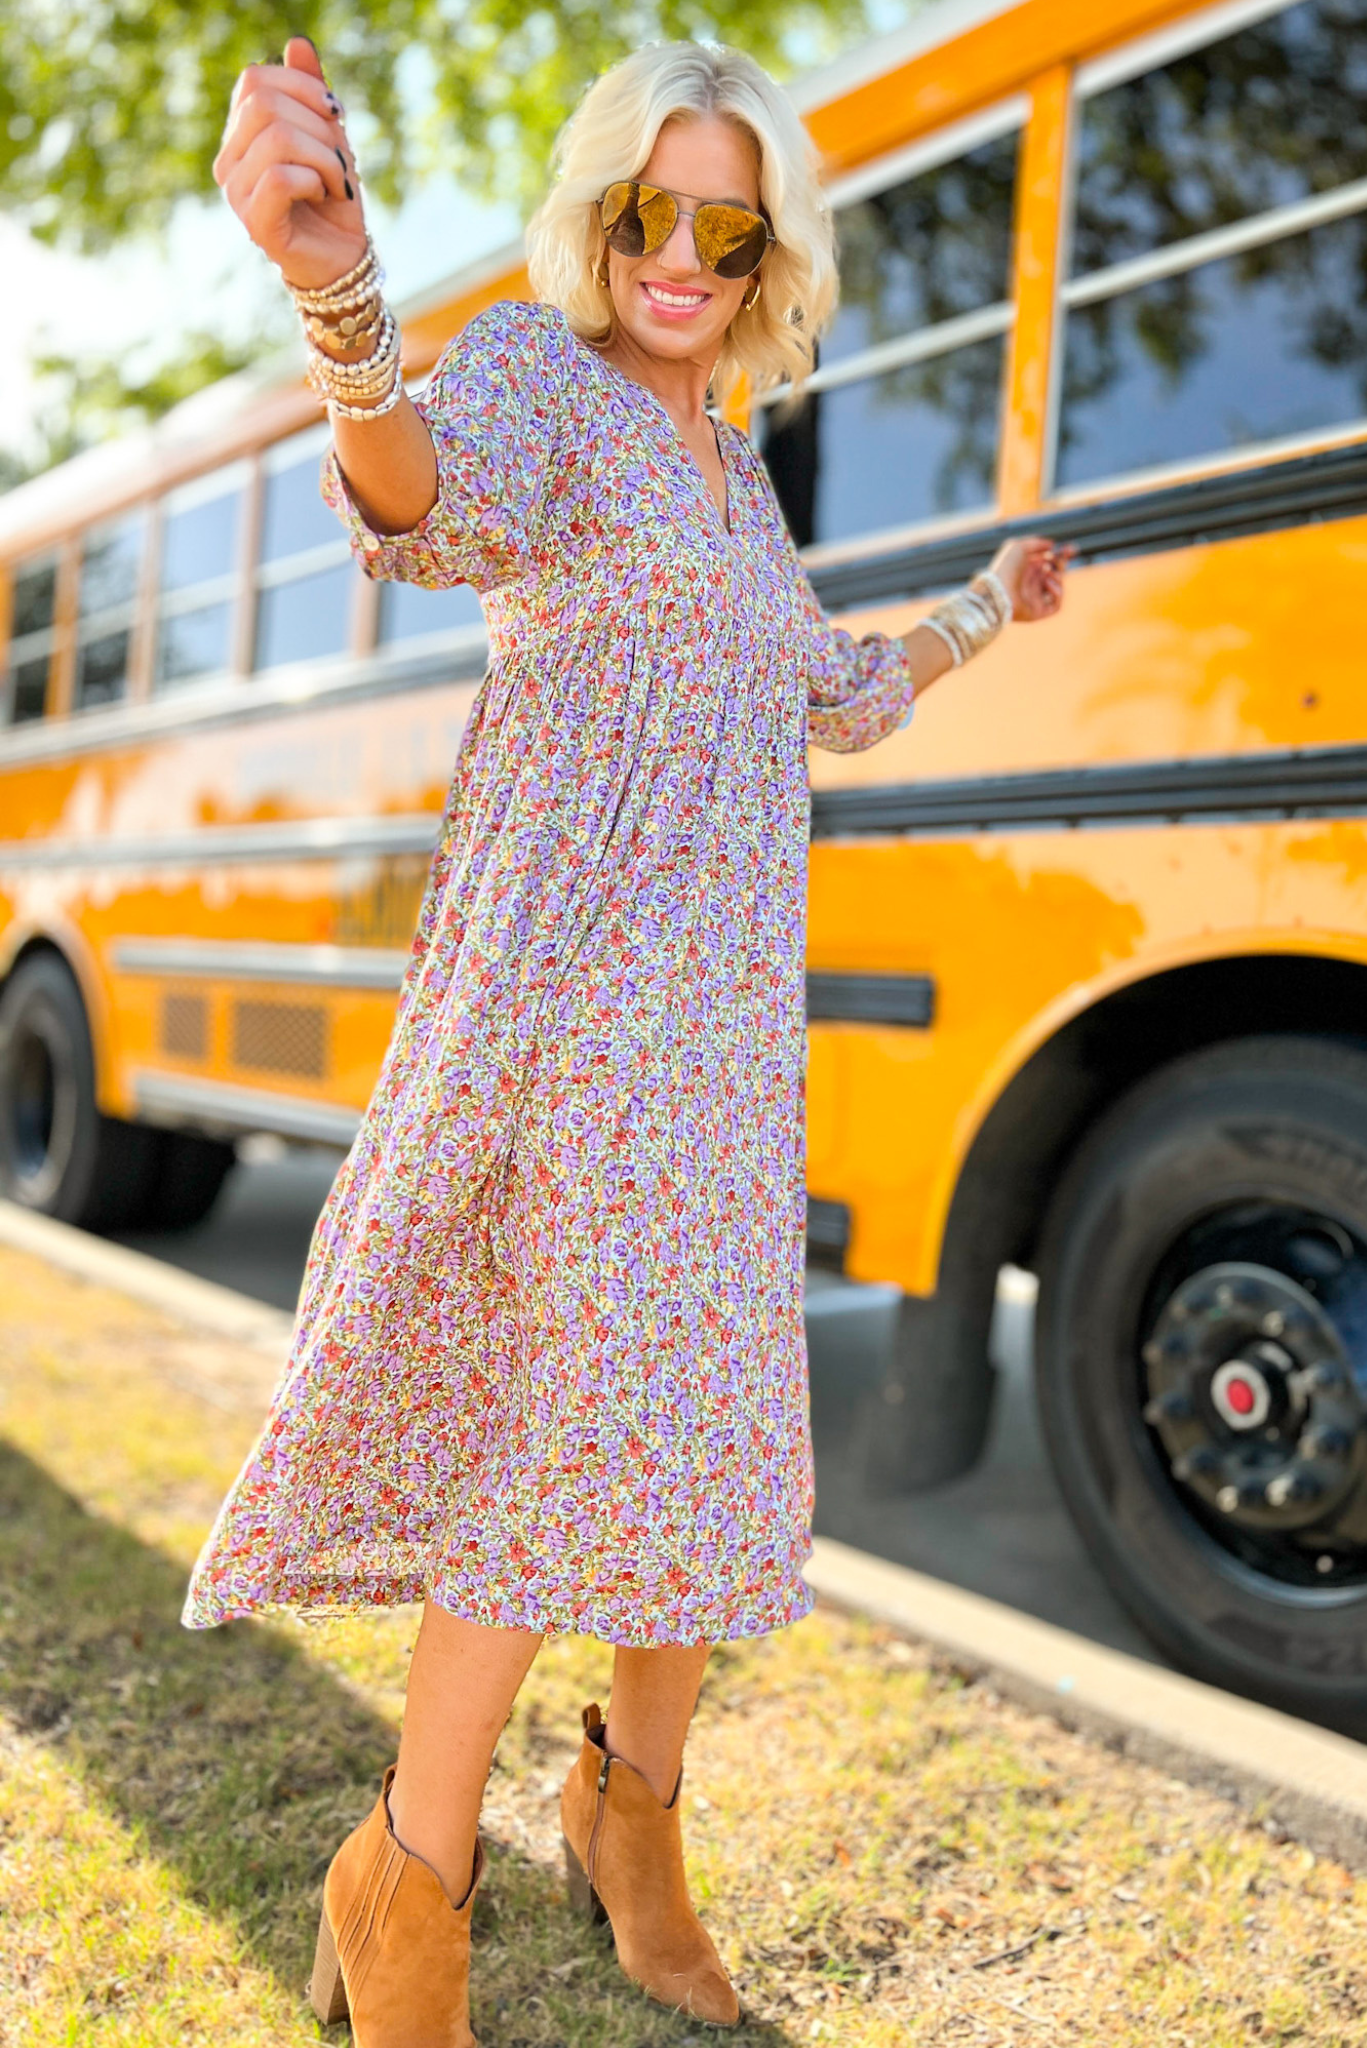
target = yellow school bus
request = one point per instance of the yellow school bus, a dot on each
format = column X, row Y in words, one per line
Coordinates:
column 1087, row 940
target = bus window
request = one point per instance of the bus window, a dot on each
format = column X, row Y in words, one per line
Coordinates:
column 24, row 695
column 196, row 577
column 902, row 419
column 305, row 578
column 407, row 611
column 1218, row 295
column 111, row 563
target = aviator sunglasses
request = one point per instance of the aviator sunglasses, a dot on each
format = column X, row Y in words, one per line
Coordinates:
column 638, row 219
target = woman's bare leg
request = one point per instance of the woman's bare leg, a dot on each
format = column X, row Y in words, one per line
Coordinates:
column 462, row 1681
column 653, row 1696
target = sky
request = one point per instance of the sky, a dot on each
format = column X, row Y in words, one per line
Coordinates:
column 205, row 274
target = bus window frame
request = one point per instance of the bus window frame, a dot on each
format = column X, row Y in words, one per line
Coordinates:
column 32, row 646
column 292, row 451
column 129, row 615
column 1128, row 60
column 231, row 587
column 1005, row 116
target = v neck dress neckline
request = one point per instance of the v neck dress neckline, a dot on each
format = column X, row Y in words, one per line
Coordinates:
column 725, row 520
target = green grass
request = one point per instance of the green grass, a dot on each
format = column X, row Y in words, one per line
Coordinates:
column 865, row 1828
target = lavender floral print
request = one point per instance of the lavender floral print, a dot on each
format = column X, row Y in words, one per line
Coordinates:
column 549, row 1365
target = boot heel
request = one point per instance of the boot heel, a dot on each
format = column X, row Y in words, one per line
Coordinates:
column 583, row 1897
column 327, row 1993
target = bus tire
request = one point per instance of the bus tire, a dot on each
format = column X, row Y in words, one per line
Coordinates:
column 189, row 1179
column 1201, row 1365
column 59, row 1155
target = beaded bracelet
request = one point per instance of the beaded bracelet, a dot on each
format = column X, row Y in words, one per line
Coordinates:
column 368, row 412
column 379, row 376
column 364, row 371
column 360, row 282
column 345, row 314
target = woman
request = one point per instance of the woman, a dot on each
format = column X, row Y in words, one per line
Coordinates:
column 549, row 1368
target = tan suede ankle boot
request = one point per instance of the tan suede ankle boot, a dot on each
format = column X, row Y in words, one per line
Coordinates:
column 624, row 1858
column 393, row 1952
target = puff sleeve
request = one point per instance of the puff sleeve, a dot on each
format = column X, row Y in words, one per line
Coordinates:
column 858, row 691
column 492, row 407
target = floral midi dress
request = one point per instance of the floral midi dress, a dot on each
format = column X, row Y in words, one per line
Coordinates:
column 549, row 1365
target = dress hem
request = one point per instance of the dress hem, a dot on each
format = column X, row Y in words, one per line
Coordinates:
column 319, row 1613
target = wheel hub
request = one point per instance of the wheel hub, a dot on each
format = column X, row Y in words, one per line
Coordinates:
column 1252, row 1398
column 1241, row 1393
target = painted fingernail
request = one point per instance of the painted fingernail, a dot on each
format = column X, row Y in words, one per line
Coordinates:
column 345, row 179
column 336, row 105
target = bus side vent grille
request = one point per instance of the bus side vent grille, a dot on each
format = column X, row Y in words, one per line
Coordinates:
column 185, row 1026
column 281, row 1038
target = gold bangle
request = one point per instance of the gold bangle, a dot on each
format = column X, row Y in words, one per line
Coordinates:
column 350, row 332
column 350, row 372
column 349, row 382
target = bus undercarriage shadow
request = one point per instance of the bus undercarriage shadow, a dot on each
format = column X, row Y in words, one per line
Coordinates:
column 1002, row 1529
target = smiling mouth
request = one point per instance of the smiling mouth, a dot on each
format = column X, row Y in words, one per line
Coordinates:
column 675, row 301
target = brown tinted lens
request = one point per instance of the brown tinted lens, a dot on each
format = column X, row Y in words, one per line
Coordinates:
column 730, row 240
column 658, row 215
column 621, row 220
column 637, row 218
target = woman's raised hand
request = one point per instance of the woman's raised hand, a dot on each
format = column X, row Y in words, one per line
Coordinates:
column 287, row 171
column 1031, row 571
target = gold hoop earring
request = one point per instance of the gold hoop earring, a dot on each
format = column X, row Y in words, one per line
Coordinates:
column 752, row 294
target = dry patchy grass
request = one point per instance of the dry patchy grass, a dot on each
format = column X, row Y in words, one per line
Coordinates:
column 887, row 1853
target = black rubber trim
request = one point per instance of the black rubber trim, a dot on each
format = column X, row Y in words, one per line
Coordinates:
column 1318, row 782
column 871, row 999
column 1295, row 492
column 828, row 1233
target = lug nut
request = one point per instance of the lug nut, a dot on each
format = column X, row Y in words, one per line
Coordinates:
column 1273, row 1323
column 1227, row 1499
column 1174, row 1406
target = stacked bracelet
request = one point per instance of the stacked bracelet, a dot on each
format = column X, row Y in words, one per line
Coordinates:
column 343, row 316
column 361, row 282
column 972, row 617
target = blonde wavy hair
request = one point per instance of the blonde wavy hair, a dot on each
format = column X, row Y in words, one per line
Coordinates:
column 611, row 135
